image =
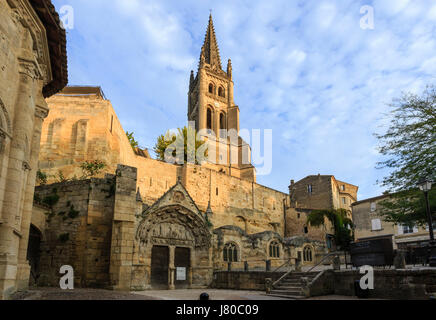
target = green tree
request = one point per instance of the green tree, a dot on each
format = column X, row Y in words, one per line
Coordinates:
column 409, row 146
column 170, row 143
column 41, row 177
column 133, row 142
column 342, row 226
column 92, row 168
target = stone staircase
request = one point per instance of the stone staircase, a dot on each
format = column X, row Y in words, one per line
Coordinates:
column 291, row 287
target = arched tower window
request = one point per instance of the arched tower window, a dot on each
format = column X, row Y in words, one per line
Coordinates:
column 274, row 249
column 307, row 254
column 221, row 92
column 223, row 125
column 230, row 252
column 211, row 88
column 209, row 119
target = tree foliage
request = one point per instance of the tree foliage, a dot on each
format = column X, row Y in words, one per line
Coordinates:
column 185, row 139
column 133, row 142
column 92, row 168
column 342, row 225
column 409, row 146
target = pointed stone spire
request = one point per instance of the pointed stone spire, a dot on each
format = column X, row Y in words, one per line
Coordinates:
column 210, row 48
column 138, row 196
column 229, row 69
column 191, row 80
column 209, row 211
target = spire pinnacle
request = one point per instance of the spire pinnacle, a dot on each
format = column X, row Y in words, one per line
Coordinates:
column 210, row 48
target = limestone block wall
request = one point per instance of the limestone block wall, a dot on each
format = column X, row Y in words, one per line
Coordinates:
column 253, row 249
column 78, row 232
column 320, row 197
column 26, row 71
column 252, row 280
column 296, row 221
column 233, row 200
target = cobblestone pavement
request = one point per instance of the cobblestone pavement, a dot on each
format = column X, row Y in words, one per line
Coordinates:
column 100, row 294
column 78, row 294
column 214, row 294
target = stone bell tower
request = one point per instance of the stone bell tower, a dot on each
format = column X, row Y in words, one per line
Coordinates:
column 211, row 106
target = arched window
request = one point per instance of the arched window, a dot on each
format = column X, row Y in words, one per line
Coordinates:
column 230, row 252
column 211, row 88
column 209, row 119
column 223, row 125
column 274, row 249
column 221, row 92
column 307, row 254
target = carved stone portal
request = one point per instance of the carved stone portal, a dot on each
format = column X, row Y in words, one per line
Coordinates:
column 174, row 226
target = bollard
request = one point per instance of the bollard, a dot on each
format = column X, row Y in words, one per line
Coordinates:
column 268, row 265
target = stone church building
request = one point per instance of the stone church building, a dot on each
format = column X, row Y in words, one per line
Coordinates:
column 33, row 66
column 143, row 223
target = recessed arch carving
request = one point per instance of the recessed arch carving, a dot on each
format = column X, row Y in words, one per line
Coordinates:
column 173, row 225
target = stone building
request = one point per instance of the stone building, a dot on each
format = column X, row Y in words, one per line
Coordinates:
column 317, row 192
column 369, row 224
column 33, row 66
column 144, row 223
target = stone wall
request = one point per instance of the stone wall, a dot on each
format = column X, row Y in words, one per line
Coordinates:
column 78, row 232
column 388, row 284
column 251, row 280
column 33, row 66
column 93, row 124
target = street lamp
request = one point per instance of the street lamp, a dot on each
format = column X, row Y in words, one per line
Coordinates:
column 425, row 186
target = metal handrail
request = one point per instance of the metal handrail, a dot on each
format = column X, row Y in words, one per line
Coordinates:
column 322, row 260
column 290, row 271
column 286, row 263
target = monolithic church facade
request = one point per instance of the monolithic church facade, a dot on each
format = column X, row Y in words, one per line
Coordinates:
column 144, row 223
column 33, row 67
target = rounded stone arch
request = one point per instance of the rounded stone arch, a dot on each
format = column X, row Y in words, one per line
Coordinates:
column 231, row 252
column 242, row 223
column 174, row 224
column 274, row 248
column 308, row 253
column 210, row 117
column 221, row 91
column 211, row 88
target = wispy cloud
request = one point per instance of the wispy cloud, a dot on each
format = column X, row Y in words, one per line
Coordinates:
column 303, row 68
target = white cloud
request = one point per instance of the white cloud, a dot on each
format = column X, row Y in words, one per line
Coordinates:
column 305, row 69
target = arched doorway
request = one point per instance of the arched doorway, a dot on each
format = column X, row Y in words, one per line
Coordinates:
column 160, row 258
column 174, row 241
column 34, row 253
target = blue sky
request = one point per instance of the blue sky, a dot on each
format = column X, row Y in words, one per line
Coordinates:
column 302, row 68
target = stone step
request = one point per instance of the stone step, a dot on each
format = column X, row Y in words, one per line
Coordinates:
column 287, row 292
column 287, row 287
column 286, row 296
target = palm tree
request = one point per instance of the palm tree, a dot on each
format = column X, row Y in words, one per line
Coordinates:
column 342, row 225
column 186, row 139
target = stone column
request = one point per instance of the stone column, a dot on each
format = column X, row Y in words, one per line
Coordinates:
column 201, row 101
column 123, row 228
column 18, row 166
column 171, row 269
column 191, row 267
column 23, row 273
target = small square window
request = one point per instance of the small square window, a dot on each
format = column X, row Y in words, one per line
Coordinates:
column 376, row 224
column 373, row 206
